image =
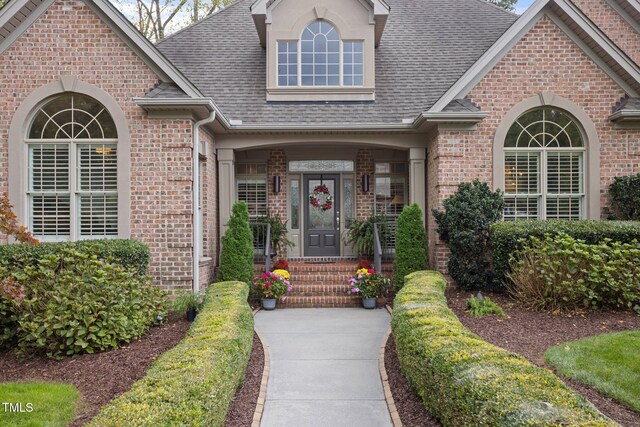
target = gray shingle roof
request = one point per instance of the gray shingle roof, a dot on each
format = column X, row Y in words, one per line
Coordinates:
column 627, row 104
column 427, row 45
column 464, row 105
column 166, row 90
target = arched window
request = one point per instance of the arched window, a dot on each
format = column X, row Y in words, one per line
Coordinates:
column 72, row 170
column 544, row 154
column 325, row 60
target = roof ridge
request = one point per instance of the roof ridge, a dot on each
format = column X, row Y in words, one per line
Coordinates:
column 217, row 12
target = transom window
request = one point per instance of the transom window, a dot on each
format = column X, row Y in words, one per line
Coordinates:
column 321, row 58
column 72, row 170
column 544, row 167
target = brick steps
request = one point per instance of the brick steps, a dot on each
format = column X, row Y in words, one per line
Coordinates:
column 321, row 284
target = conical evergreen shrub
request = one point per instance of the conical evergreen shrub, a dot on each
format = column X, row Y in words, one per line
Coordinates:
column 236, row 256
column 411, row 245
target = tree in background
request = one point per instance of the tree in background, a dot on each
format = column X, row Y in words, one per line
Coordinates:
column 411, row 245
column 236, row 256
column 2, row 3
column 505, row 4
column 158, row 18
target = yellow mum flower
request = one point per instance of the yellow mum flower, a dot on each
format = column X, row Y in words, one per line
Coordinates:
column 282, row 273
column 363, row 271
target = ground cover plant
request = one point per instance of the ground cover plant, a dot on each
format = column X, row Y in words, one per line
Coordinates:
column 566, row 274
column 193, row 383
column 411, row 244
column 608, row 362
column 49, row 404
column 70, row 302
column 464, row 380
column 464, row 226
column 236, row 255
column 479, row 306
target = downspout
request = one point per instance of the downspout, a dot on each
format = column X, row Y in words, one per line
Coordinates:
column 195, row 167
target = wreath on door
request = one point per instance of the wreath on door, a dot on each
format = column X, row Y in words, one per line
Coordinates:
column 318, row 192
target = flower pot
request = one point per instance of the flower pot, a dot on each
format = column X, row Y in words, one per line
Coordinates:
column 269, row 304
column 191, row 314
column 369, row 303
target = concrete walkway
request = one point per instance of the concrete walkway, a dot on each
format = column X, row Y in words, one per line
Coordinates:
column 324, row 367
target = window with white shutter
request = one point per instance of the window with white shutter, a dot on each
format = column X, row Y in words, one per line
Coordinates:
column 72, row 171
column 544, row 167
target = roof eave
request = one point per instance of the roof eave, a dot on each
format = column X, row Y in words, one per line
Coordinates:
column 200, row 107
column 626, row 119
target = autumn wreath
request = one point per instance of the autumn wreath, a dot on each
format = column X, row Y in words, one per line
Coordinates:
column 314, row 198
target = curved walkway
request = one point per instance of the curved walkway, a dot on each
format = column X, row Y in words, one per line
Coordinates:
column 324, row 367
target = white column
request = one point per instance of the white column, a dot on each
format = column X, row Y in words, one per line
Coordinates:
column 417, row 175
column 226, row 186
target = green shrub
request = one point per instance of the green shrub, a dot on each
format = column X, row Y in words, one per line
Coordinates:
column 483, row 306
column 465, row 381
column 625, row 197
column 411, row 244
column 130, row 254
column 509, row 237
column 562, row 273
column 464, row 226
column 236, row 256
column 73, row 303
column 193, row 383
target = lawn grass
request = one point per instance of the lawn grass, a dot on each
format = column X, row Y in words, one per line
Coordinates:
column 53, row 404
column 610, row 363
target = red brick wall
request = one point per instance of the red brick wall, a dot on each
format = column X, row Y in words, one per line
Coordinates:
column 544, row 60
column 277, row 166
column 364, row 201
column 613, row 25
column 69, row 39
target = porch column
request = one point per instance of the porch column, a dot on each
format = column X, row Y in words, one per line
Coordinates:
column 417, row 178
column 226, row 186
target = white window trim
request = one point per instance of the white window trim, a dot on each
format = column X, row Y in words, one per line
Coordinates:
column 591, row 160
column 18, row 149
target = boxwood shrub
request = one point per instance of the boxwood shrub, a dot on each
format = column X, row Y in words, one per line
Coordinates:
column 130, row 254
column 510, row 236
column 69, row 303
column 193, row 383
column 464, row 380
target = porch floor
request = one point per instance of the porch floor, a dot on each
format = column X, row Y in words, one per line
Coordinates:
column 324, row 367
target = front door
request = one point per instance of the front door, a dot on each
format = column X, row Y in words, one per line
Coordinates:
column 322, row 222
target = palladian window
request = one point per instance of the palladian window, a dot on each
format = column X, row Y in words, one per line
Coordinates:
column 544, row 167
column 320, row 58
column 72, row 170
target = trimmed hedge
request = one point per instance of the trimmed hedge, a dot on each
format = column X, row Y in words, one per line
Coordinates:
column 411, row 245
column 509, row 237
column 127, row 253
column 193, row 383
column 464, row 380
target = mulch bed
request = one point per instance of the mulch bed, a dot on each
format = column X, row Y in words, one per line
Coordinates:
column 244, row 402
column 100, row 377
column 410, row 407
column 531, row 333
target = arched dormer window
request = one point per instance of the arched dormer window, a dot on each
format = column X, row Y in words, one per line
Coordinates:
column 72, row 175
column 544, row 157
column 320, row 58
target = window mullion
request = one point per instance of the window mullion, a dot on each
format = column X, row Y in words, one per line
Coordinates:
column 74, row 205
column 543, row 184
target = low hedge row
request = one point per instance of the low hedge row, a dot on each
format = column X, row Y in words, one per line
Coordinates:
column 193, row 383
column 130, row 254
column 508, row 237
column 464, row 380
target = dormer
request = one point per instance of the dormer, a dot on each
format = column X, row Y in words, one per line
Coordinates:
column 320, row 50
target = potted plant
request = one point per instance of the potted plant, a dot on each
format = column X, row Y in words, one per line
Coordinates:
column 273, row 286
column 369, row 285
column 189, row 303
column 279, row 241
column 360, row 234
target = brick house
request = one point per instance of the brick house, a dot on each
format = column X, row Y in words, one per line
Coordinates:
column 104, row 134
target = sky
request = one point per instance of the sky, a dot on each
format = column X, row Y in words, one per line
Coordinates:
column 522, row 5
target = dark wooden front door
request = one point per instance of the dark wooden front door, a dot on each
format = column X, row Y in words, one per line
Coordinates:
column 322, row 228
